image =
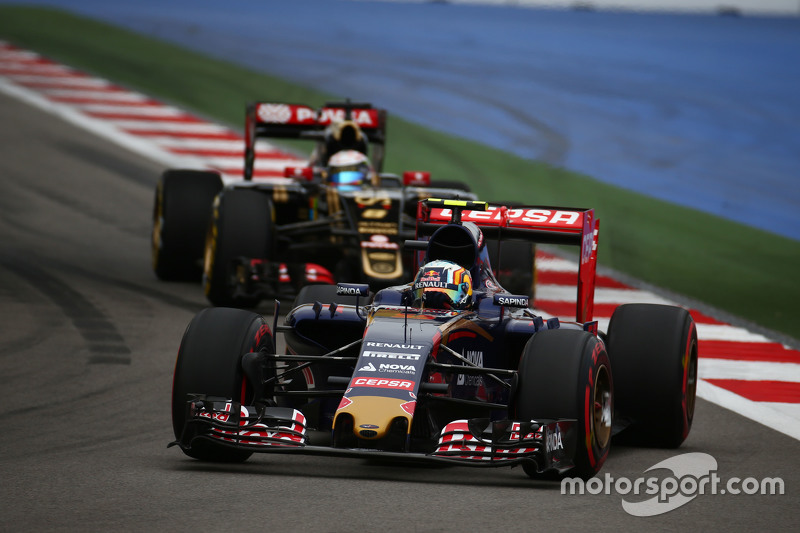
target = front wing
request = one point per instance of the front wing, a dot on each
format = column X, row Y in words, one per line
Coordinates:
column 549, row 444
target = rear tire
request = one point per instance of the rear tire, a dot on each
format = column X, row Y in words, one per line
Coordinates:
column 209, row 362
column 653, row 351
column 567, row 374
column 181, row 211
column 242, row 226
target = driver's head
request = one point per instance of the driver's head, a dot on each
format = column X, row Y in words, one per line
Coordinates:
column 443, row 285
column 348, row 170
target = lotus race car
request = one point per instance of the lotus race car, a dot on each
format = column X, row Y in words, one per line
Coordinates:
column 449, row 368
column 262, row 237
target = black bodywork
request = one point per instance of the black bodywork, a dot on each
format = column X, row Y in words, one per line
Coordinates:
column 355, row 235
column 320, row 232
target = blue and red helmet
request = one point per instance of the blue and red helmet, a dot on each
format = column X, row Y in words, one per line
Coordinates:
column 443, row 285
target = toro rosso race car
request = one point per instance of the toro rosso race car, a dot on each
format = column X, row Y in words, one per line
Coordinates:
column 339, row 218
column 449, row 368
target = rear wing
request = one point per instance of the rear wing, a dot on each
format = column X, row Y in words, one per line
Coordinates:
column 298, row 121
column 539, row 224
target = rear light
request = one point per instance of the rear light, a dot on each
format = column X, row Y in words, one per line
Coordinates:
column 416, row 178
column 306, row 173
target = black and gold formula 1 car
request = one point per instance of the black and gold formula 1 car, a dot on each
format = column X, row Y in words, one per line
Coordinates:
column 265, row 236
column 449, row 368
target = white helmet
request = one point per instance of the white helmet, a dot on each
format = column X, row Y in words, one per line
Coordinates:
column 348, row 169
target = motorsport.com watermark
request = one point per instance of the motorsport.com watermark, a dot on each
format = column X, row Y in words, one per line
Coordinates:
column 693, row 474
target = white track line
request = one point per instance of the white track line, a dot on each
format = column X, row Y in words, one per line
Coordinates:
column 260, row 164
column 725, row 332
column 175, row 127
column 199, row 144
column 137, row 110
column 102, row 128
column 748, row 370
column 564, row 293
column 786, row 421
column 98, row 96
column 556, row 265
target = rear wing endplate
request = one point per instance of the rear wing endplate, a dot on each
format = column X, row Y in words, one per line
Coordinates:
column 539, row 224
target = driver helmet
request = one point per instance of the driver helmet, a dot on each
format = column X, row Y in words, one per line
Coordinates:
column 443, row 285
column 348, row 170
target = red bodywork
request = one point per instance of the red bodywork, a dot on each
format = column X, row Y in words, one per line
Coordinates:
column 542, row 224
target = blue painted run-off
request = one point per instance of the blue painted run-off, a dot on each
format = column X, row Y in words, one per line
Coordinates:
column 699, row 110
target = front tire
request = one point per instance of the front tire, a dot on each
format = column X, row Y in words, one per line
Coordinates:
column 653, row 350
column 567, row 374
column 209, row 362
column 181, row 212
column 242, row 226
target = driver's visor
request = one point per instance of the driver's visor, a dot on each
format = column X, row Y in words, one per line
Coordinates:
column 348, row 177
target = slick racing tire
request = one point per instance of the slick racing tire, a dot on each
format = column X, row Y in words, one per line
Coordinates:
column 181, row 212
column 209, row 362
column 566, row 373
column 326, row 294
column 653, row 351
column 517, row 266
column 242, row 226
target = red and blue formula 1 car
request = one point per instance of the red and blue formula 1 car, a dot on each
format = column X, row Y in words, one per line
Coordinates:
column 449, row 368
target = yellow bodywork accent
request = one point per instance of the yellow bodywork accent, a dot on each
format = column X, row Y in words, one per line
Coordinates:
column 374, row 411
column 210, row 247
column 158, row 220
column 280, row 194
column 333, row 200
column 474, row 205
column 382, row 265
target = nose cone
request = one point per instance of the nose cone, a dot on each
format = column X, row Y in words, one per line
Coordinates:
column 374, row 415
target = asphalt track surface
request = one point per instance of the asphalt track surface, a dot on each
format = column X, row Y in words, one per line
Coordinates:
column 86, row 358
column 697, row 110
